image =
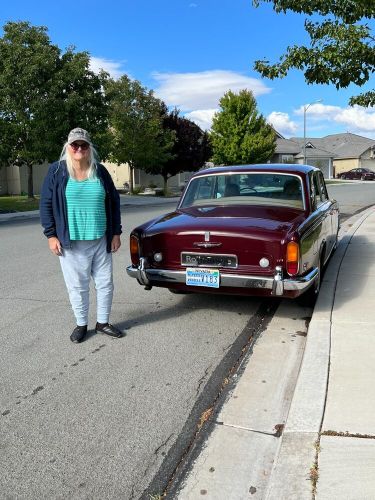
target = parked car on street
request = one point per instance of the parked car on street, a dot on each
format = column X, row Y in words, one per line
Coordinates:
column 251, row 230
column 364, row 174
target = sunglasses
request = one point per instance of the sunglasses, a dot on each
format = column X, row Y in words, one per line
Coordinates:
column 84, row 146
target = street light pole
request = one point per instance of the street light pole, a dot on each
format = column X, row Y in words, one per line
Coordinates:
column 305, row 108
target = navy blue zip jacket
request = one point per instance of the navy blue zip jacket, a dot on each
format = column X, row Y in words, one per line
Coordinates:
column 53, row 211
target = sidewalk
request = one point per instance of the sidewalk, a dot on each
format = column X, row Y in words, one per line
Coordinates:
column 125, row 200
column 327, row 447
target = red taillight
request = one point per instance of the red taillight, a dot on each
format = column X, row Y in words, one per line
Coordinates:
column 134, row 250
column 292, row 258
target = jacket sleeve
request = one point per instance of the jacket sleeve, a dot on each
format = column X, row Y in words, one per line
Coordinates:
column 115, row 199
column 115, row 203
column 45, row 207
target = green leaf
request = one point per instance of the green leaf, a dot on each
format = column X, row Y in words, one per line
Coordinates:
column 43, row 94
column 341, row 50
column 239, row 134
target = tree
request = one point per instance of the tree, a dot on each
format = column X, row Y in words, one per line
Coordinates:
column 190, row 151
column 341, row 49
column 136, row 125
column 7, row 134
column 241, row 135
column 43, row 94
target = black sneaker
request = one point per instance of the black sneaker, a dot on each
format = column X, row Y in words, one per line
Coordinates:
column 108, row 329
column 78, row 334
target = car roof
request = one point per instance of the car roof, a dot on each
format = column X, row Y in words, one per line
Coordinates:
column 265, row 167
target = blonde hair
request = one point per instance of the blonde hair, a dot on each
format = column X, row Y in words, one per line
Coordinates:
column 93, row 160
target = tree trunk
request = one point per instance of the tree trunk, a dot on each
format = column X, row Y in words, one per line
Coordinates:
column 131, row 184
column 30, row 181
column 165, row 188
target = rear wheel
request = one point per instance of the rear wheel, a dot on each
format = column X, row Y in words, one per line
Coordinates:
column 308, row 299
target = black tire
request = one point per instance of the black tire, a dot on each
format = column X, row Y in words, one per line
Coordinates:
column 308, row 299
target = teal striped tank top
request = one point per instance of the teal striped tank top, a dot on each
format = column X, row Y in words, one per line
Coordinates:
column 86, row 209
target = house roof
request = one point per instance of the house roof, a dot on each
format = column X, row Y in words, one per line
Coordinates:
column 347, row 145
column 316, row 153
column 287, row 146
column 344, row 145
column 295, row 146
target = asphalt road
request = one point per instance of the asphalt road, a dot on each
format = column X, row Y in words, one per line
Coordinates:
column 111, row 418
column 353, row 196
column 97, row 420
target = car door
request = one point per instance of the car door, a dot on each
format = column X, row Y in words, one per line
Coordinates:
column 323, row 208
column 330, row 208
column 316, row 227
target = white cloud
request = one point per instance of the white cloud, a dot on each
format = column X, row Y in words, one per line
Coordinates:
column 201, row 91
column 112, row 67
column 202, row 117
column 282, row 123
column 320, row 111
column 358, row 118
column 193, row 5
column 355, row 119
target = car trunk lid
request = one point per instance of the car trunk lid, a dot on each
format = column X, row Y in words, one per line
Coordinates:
column 222, row 231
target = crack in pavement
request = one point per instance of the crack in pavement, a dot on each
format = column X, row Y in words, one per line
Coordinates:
column 189, row 442
column 200, row 381
column 39, row 388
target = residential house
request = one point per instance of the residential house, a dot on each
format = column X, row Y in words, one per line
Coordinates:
column 121, row 176
column 13, row 179
column 333, row 154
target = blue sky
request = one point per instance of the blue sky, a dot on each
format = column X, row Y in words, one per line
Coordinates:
column 190, row 52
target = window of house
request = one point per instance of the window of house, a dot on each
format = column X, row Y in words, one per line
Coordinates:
column 287, row 159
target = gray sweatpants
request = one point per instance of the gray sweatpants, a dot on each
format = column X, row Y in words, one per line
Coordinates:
column 78, row 264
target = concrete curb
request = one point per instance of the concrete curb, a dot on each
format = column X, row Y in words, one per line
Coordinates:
column 19, row 215
column 290, row 477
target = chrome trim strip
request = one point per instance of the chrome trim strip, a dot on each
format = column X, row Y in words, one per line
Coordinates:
column 277, row 284
column 206, row 245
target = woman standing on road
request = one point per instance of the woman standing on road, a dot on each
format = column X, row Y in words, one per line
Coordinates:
column 80, row 214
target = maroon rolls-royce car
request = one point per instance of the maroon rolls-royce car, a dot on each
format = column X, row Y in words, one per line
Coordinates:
column 250, row 230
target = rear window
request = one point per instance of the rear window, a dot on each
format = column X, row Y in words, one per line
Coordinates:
column 245, row 189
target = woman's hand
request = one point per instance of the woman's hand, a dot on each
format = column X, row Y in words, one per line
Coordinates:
column 116, row 243
column 54, row 245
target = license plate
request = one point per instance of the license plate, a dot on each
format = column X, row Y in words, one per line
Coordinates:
column 198, row 276
column 208, row 260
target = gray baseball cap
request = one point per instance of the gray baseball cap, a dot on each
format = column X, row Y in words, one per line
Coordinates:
column 78, row 134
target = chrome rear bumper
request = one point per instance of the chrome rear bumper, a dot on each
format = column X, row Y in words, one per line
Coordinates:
column 278, row 284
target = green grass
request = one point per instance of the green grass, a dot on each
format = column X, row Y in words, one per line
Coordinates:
column 18, row 204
